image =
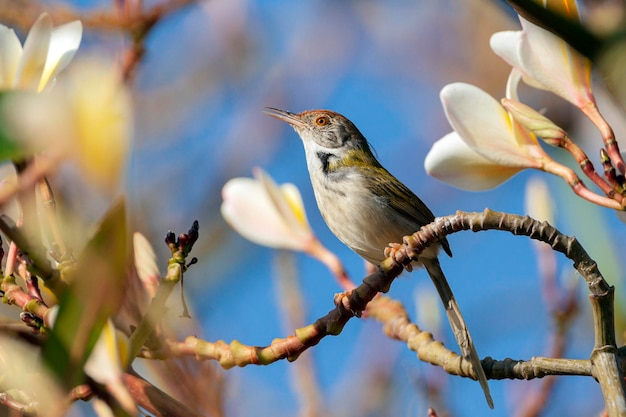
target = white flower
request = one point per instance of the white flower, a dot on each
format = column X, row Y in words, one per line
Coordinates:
column 267, row 214
column 487, row 146
column 546, row 61
column 46, row 52
column 86, row 117
column 274, row 216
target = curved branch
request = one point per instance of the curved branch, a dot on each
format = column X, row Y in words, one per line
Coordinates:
column 492, row 220
column 605, row 358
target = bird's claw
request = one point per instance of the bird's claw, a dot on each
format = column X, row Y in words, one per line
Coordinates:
column 342, row 301
column 393, row 250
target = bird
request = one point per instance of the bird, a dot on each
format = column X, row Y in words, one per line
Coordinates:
column 367, row 208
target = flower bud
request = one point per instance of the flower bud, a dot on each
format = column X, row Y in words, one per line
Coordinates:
column 535, row 122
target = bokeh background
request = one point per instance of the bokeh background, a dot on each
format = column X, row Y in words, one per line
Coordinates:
column 209, row 69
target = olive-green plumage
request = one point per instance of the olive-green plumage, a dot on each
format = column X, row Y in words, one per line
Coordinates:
column 367, row 208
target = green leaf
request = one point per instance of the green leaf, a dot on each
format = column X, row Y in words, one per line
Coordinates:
column 9, row 148
column 94, row 294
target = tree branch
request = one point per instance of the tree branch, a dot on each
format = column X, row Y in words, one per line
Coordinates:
column 605, row 358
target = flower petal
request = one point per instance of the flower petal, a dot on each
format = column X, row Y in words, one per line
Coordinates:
column 35, row 53
column 452, row 161
column 292, row 196
column 250, row 211
column 64, row 42
column 512, row 84
column 506, row 45
column 87, row 117
column 10, row 54
column 554, row 65
column 106, row 359
column 102, row 114
column 546, row 61
column 39, row 122
column 288, row 204
column 485, row 126
column 106, row 362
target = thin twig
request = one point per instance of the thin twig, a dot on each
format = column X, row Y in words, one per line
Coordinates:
column 579, row 187
column 39, row 263
column 177, row 265
column 151, row 398
column 49, row 208
column 587, row 167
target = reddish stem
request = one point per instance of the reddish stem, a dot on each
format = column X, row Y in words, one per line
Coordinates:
column 608, row 137
column 578, row 187
column 587, row 167
column 321, row 253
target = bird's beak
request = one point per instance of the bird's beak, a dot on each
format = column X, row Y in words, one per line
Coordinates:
column 291, row 118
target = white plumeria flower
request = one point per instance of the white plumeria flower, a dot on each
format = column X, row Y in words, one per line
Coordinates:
column 87, row 117
column 267, row 214
column 487, row 146
column 274, row 216
column 46, row 52
column 546, row 61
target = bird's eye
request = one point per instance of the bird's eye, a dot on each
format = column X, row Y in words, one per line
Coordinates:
column 321, row 121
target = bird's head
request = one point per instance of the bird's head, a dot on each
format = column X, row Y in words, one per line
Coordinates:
column 323, row 130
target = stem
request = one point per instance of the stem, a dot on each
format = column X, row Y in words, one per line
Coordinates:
column 156, row 310
column 605, row 357
column 587, row 167
column 40, row 265
column 52, row 224
column 14, row 294
column 328, row 258
column 353, row 302
column 578, row 187
column 9, row 267
column 27, row 179
column 157, row 402
column 608, row 137
column 610, row 174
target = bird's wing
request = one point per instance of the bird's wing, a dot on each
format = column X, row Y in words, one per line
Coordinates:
column 402, row 200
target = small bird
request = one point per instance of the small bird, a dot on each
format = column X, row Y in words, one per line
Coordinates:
column 367, row 208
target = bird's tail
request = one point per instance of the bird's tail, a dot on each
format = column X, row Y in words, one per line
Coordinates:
column 461, row 333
